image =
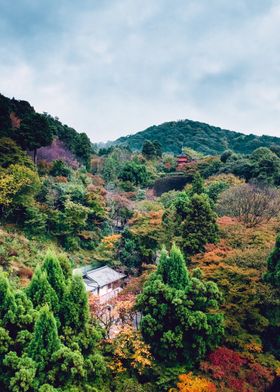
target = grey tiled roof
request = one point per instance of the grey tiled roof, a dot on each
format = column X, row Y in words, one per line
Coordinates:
column 104, row 275
column 98, row 277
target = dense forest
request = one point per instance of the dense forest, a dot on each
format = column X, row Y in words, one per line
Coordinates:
column 198, row 308
column 201, row 137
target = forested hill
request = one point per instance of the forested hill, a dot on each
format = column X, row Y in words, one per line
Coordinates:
column 33, row 131
column 201, row 137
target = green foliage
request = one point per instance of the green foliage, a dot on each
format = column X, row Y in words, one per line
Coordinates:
column 83, row 148
column 266, row 165
column 215, row 189
column 151, row 150
column 273, row 265
column 172, row 269
column 55, row 276
column 60, row 168
column 200, row 137
column 18, row 186
column 45, row 340
column 74, row 309
column 32, row 355
column 35, row 221
column 7, row 302
column 199, row 226
column 190, row 221
column 41, row 292
column 34, row 132
column 179, row 324
column 135, row 173
column 11, row 154
column 23, row 372
column 197, row 184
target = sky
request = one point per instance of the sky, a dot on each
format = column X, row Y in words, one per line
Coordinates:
column 114, row 67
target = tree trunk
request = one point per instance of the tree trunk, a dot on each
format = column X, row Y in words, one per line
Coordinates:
column 35, row 156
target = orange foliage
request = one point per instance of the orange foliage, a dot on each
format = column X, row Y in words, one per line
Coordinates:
column 144, row 222
column 61, row 179
column 190, row 383
column 227, row 220
column 110, row 240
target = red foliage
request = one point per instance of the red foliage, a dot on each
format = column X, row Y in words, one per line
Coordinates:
column 226, row 360
column 236, row 372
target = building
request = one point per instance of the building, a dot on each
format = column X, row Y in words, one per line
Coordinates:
column 103, row 282
column 182, row 160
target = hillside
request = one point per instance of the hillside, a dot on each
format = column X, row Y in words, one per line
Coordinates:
column 198, row 261
column 207, row 139
column 37, row 132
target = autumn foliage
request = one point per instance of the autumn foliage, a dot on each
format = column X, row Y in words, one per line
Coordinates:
column 130, row 352
column 236, row 372
column 190, row 383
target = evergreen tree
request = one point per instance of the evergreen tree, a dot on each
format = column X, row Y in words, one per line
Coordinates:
column 40, row 291
column 180, row 320
column 197, row 184
column 273, row 265
column 34, row 132
column 7, row 302
column 199, row 226
column 65, row 266
column 55, row 274
column 148, row 149
column 75, row 309
column 45, row 340
column 158, row 148
column 172, row 269
column 83, row 148
column 21, row 373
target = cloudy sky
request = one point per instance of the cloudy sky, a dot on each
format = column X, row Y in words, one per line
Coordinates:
column 114, row 67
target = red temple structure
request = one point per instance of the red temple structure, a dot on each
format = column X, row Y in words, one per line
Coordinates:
column 182, row 160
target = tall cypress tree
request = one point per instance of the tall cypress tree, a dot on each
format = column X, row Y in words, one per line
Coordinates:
column 45, row 340
column 179, row 318
column 173, row 269
column 40, row 291
column 199, row 226
column 75, row 309
column 55, row 274
column 7, row 302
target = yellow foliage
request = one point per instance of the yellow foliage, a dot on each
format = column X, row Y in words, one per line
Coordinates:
column 254, row 347
column 14, row 180
column 230, row 179
column 130, row 351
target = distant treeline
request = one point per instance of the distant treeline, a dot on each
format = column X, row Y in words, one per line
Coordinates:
column 201, row 137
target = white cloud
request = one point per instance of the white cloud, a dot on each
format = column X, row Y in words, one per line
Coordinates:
column 116, row 67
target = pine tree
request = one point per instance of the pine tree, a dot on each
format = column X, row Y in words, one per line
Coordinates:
column 45, row 340
column 172, row 269
column 55, row 274
column 273, row 265
column 180, row 321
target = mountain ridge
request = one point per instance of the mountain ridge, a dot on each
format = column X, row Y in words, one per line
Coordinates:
column 205, row 138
